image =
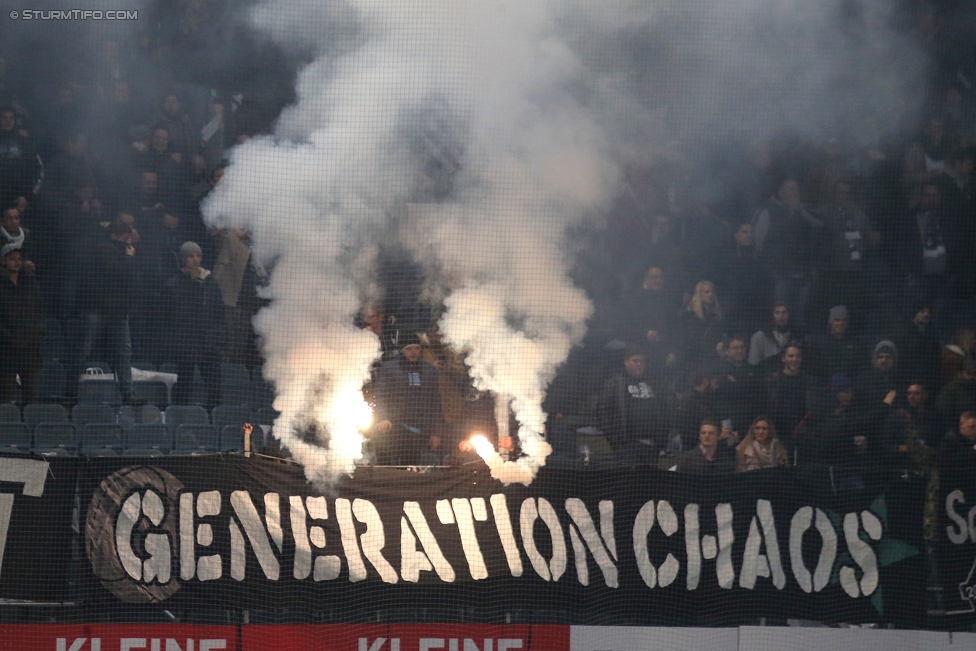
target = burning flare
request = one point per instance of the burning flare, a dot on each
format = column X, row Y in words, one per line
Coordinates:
column 483, row 447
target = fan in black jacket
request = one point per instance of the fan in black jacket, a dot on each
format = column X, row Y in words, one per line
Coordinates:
column 633, row 411
column 20, row 325
column 107, row 280
column 194, row 311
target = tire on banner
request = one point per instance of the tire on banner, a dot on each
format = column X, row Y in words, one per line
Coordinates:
column 100, row 540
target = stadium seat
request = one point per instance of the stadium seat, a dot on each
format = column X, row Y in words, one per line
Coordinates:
column 37, row 413
column 150, row 415
column 101, row 440
column 55, row 439
column 177, row 415
column 145, row 440
column 51, row 381
column 235, row 384
column 145, row 415
column 15, row 438
column 236, row 415
column 84, row 413
column 196, row 439
column 128, row 416
column 152, row 392
column 99, row 391
column 9, row 413
column 232, row 439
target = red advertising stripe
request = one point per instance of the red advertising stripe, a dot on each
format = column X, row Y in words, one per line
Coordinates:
column 405, row 637
column 116, row 637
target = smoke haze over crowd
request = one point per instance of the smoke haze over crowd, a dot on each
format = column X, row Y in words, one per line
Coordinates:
column 536, row 106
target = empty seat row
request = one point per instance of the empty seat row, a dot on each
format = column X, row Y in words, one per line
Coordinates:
column 83, row 414
column 108, row 439
column 236, row 387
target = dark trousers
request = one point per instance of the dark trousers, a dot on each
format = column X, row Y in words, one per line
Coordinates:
column 118, row 350
column 208, row 359
column 400, row 446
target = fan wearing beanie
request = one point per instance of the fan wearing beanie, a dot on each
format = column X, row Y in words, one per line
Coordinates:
column 408, row 412
column 193, row 315
column 876, row 382
column 836, row 350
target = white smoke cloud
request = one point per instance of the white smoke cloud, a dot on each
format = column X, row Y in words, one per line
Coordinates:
column 537, row 102
column 344, row 159
column 315, row 197
column 534, row 163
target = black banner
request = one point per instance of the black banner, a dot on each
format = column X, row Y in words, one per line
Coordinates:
column 957, row 548
column 36, row 509
column 615, row 546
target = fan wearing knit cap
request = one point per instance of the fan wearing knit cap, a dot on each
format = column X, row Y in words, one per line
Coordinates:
column 835, row 351
column 194, row 312
column 875, row 383
column 409, row 420
column 919, row 347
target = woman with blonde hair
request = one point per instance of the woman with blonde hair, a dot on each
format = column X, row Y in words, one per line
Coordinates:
column 760, row 448
column 702, row 326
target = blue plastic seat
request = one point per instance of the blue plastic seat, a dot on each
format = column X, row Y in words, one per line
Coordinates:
column 15, row 438
column 9, row 413
column 147, row 440
column 232, row 439
column 37, row 413
column 86, row 412
column 196, row 439
column 150, row 415
column 101, row 440
column 144, row 415
column 55, row 439
column 177, row 415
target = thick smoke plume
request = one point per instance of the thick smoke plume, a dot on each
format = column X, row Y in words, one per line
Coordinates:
column 346, row 157
column 314, row 197
column 529, row 108
column 534, row 162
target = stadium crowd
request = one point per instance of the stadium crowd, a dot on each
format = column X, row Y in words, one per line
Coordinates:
column 805, row 301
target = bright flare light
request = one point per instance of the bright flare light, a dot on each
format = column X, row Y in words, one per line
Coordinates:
column 351, row 412
column 483, row 447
